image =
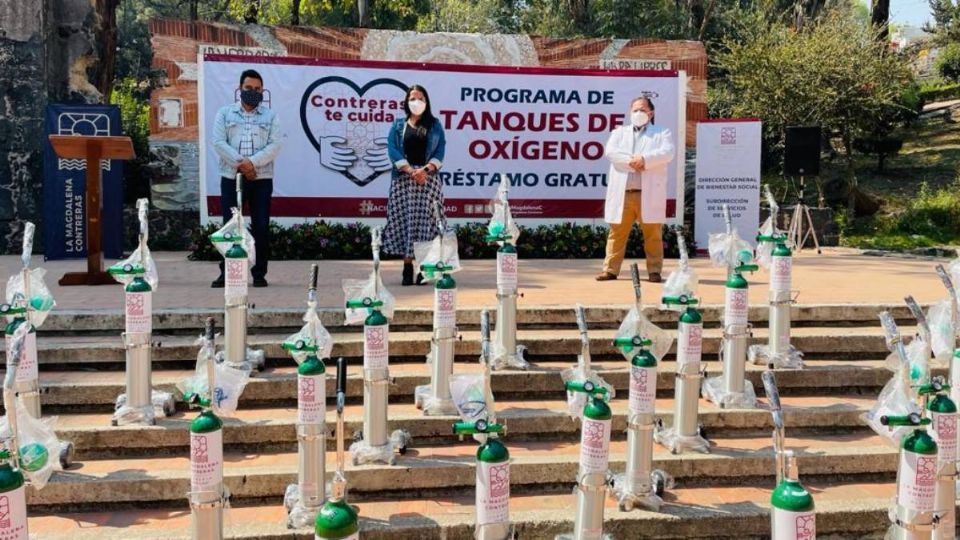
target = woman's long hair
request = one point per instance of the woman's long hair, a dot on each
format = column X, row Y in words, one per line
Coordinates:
column 427, row 118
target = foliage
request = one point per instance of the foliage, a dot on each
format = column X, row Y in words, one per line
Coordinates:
column 887, row 242
column 854, row 85
column 135, row 123
column 480, row 16
column 932, row 213
column 834, row 73
column 939, row 91
column 948, row 62
column 324, row 241
column 931, row 217
column 134, row 53
column 946, row 20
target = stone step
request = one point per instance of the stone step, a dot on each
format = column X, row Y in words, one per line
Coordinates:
column 844, row 510
column 97, row 390
column 450, row 469
column 260, row 429
column 600, row 315
column 832, row 342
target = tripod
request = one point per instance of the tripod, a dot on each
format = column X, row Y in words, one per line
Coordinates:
column 798, row 235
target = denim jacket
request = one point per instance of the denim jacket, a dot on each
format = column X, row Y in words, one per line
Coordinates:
column 228, row 130
column 436, row 145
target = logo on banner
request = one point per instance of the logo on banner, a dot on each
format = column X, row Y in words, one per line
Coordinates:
column 368, row 207
column 728, row 135
column 348, row 124
column 89, row 124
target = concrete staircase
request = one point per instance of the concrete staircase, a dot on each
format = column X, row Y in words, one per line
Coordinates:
column 131, row 482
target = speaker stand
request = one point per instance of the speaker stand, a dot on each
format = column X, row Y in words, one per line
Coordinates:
column 798, row 234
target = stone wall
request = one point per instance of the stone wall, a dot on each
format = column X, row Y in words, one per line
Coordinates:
column 46, row 50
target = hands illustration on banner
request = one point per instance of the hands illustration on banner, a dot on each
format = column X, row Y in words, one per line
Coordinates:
column 376, row 156
column 334, row 155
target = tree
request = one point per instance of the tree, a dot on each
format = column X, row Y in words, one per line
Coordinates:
column 880, row 18
column 252, row 11
column 946, row 20
column 481, row 16
column 834, row 73
column 106, row 33
column 363, row 12
column 948, row 62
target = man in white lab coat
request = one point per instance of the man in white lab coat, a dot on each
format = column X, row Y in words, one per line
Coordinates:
column 639, row 155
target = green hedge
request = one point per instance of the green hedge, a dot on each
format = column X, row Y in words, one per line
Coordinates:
column 940, row 92
column 332, row 241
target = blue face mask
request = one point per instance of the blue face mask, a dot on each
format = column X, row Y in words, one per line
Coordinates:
column 251, row 98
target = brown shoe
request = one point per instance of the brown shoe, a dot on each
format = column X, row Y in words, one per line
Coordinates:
column 606, row 276
column 655, row 277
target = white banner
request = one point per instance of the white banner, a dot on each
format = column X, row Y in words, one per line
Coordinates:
column 544, row 129
column 728, row 172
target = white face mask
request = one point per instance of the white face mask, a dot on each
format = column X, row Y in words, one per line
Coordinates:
column 417, row 106
column 639, row 118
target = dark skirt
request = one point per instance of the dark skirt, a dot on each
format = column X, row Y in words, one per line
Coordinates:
column 411, row 213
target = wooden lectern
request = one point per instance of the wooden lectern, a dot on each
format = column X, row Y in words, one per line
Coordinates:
column 92, row 149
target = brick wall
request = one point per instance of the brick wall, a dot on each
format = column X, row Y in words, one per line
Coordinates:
column 176, row 43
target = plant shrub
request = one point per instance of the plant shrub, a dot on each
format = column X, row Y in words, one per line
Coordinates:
column 338, row 241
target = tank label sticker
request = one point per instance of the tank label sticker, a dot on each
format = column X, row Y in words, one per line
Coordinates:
column 206, row 460
column 311, row 399
column 507, row 270
column 138, row 311
column 493, row 492
column 643, row 390
column 445, row 308
column 794, row 525
column 375, row 349
column 236, row 277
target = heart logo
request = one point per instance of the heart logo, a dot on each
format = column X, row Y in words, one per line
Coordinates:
column 348, row 124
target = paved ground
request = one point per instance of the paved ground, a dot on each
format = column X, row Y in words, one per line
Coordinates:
column 839, row 276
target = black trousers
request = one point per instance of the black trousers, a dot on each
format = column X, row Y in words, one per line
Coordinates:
column 257, row 195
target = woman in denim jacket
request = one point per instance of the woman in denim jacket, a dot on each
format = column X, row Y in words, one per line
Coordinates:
column 416, row 147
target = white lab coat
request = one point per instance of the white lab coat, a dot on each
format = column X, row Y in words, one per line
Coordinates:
column 656, row 147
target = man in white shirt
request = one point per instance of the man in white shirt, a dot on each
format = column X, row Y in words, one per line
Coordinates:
column 639, row 155
column 247, row 138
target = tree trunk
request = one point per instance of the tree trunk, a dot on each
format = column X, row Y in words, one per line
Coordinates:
column 222, row 11
column 253, row 12
column 706, row 20
column 851, row 178
column 295, row 8
column 579, row 11
column 193, row 10
column 695, row 15
column 880, row 17
column 363, row 10
column 106, row 34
